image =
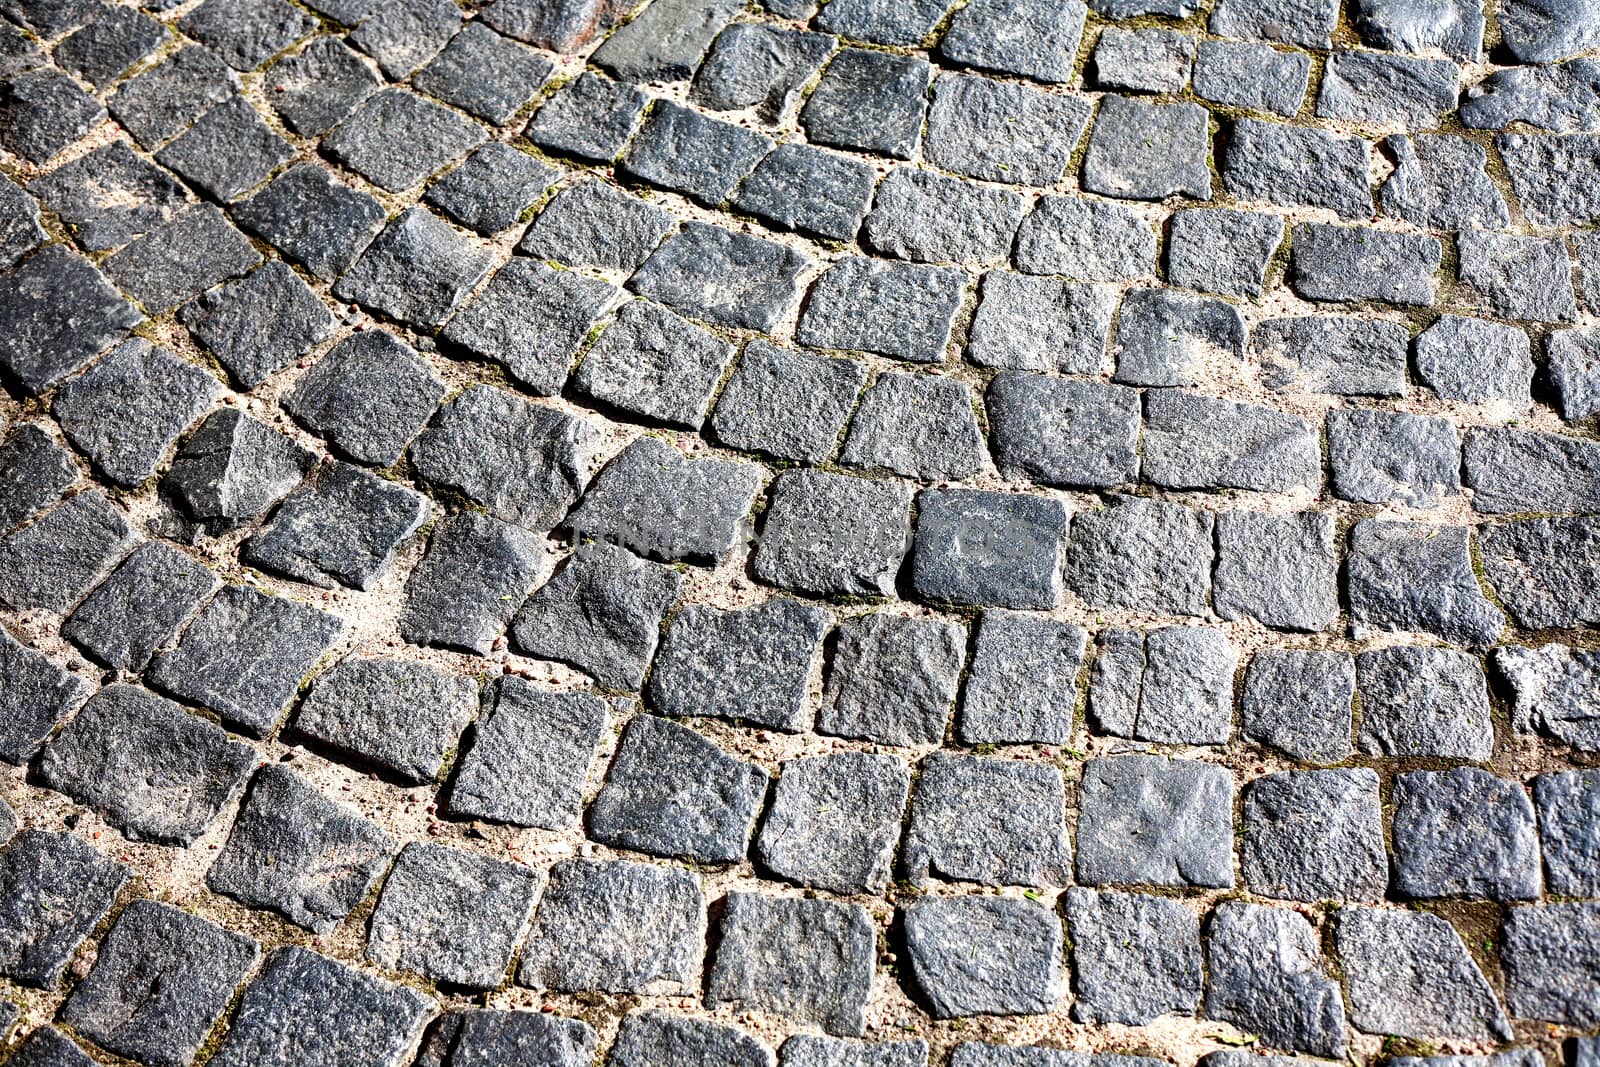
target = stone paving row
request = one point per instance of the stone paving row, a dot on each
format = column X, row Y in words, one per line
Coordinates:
column 702, row 534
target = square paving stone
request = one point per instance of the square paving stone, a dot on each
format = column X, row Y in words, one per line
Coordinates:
column 452, row 915
column 1314, row 835
column 484, row 74
column 395, row 139
column 590, row 117
column 1143, row 61
column 1086, row 240
column 1040, row 324
column 34, row 471
column 306, row 1008
column 1551, row 176
column 1569, row 831
column 656, row 1039
column 654, row 364
column 684, row 152
column 1185, row 688
column 1266, row 975
column 1022, row 685
column 316, row 89
column 1415, row 577
column 869, row 101
column 182, row 259
column 20, row 232
column 369, row 396
column 1347, row 263
column 748, row 665
column 532, row 318
column 418, row 270
column 110, row 196
column 1524, row 278
column 1294, row 166
column 1198, row 442
column 892, row 679
column 807, row 960
column 1036, row 39
column 1377, row 457
column 312, row 219
column 835, row 820
column 160, row 981
column 815, row 192
column 1551, row 691
column 54, row 890
column 989, row 821
column 234, row 468
column 128, row 409
column 1165, row 337
column 1339, row 354
column 617, row 927
column 786, row 403
column 601, row 613
column 918, row 426
column 525, row 463
column 657, row 503
column 228, row 152
column 1135, row 958
column 593, row 224
column 62, row 313
column 1003, row 132
column 159, row 103
column 988, row 549
column 402, row 35
column 1281, row 570
column 36, row 694
column 44, row 111
column 666, row 42
column 902, row 311
column 827, row 534
column 1439, row 182
column 1155, row 821
column 308, row 858
column 1375, row 89
column 114, row 41
column 243, row 657
column 1141, row 554
column 495, row 1037
column 1423, row 702
column 464, row 592
column 341, row 526
column 887, row 22
column 139, row 608
column 529, row 757
column 810, row 1050
column 399, row 716
column 1145, row 151
column 246, row 33
column 1551, row 955
column 52, row 562
column 984, row 955
column 259, row 325
column 1221, row 250
column 1254, row 76
column 492, row 189
column 1464, row 832
column 672, row 793
column 723, row 277
column 1476, row 362
column 931, row 218
column 757, row 66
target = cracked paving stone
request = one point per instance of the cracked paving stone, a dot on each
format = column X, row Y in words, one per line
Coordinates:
column 1267, row 976
column 1166, row 338
column 1003, row 132
column 1036, row 39
column 1144, row 151
column 317, row 222
column 1569, row 830
column 304, row 856
column 1281, row 570
column 1379, row 457
column 1141, row 554
column 984, row 955
column 1085, row 240
column 1254, row 76
column 1143, row 61
column 655, row 502
column 652, row 363
column 42, row 112
column 869, row 101
column 1551, row 955
column 1538, row 32
column 988, row 549
column 316, row 89
column 234, row 468
column 525, row 463
column 1553, row 177
column 1420, row 578
column 1185, row 689
column 1423, row 702
column 1573, row 369
column 160, row 103
column 126, row 411
column 452, row 915
column 246, row 33
column 1219, row 250
column 110, row 44
column 685, row 152
column 396, row 715
column 303, row 1007
column 492, row 188
column 1314, row 835
column 1376, row 89
column 1040, row 324
column 243, row 657
column 52, row 562
column 54, row 890
column 828, row 534
column 989, row 821
column 183, row 258
column 37, row 694
column 396, row 140
column 892, row 679
column 1197, row 442
column 1339, row 354
column 809, row 190
column 1476, row 362
column 1552, row 690
column 835, row 820
column 806, row 960
column 590, row 117
column 1524, row 278
column 761, row 67
column 885, row 22
column 786, row 403
column 1454, row 27
column 649, row 1038
column 593, row 224
column 34, row 472
column 1557, row 97
column 672, row 793
column 809, row 1050
column 484, row 74
column 341, row 526
column 1349, row 263
column 1022, row 683
column 723, row 277
column 601, row 613
column 1293, row 166
column 529, row 757
column 1409, row 975
column 496, row 1037
column 139, row 608
column 531, row 318
column 110, row 196
column 1135, row 958
column 402, row 35
column 903, row 311
column 1440, row 183
column 259, row 325
column 369, row 396
column 665, row 43
column 418, row 270
column 1464, row 832
column 918, row 426
column 62, row 312
column 747, row 665
column 1155, row 821
column 465, row 590
column 160, row 981
column 616, row 926
column 228, row 152
column 931, row 218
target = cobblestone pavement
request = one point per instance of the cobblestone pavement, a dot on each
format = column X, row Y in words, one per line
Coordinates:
column 550, row 532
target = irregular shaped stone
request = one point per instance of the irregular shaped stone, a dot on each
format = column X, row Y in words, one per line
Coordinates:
column 1135, row 958
column 593, row 224
column 492, row 188
column 835, row 820
column 20, row 231
column 989, row 549
column 1423, row 702
column 786, row 403
column 652, row 363
column 1439, row 183
column 684, row 152
column 1041, row 324
column 1036, row 39
column 1281, row 570
column 1022, row 684
column 312, row 219
column 1165, row 337
column 903, row 311
column 989, row 821
column 1551, row 691
column 418, row 270
column 139, row 608
column 1574, row 370
column 1558, row 97
column 1551, row 955
column 1361, row 263
column 1553, row 176
column 113, row 41
column 1295, row 166
column 484, row 74
column 665, row 43
column 369, row 396
column 1146, row 151
column 1455, row 28
column 42, row 112
column 1377, row 89
column 319, row 87
column 160, row 102
column 815, row 192
column 1464, row 832
column 829, row 534
column 52, row 562
column 48, row 1047
column 1300, row 703
column 1314, row 835
column 561, row 26
column 1116, row 681
column 529, row 757
column 110, row 196
column 402, row 35
column 1266, row 976
column 1542, row 570
column 246, row 33
column 1409, row 975
column 1378, row 457
column 396, row 139
column 1196, row 442
column 1003, row 132
column 1538, row 32
column 34, row 472
column 1155, row 821
column 1476, row 362
column 54, row 890
column 1186, row 690
column 1411, row 576
column 807, row 1050
column 36, row 695
column 752, row 65
column 984, row 955
column 1142, row 554
column 590, row 117
column 1143, row 61
column 888, row 22
column 234, row 468
column 532, row 318
column 228, row 152
column 1217, row 251
column 1254, row 76
column 655, row 1039
column 258, row 326
column 62, row 313
column 722, row 277
column 930, row 218
column 490, row 1037
column 918, row 426
column 1339, row 354
column 187, row 255
column 869, row 101
column 402, row 717
column 464, row 592
column 1525, row 278
column 1569, row 832
column 1089, row 240
column 1307, row 24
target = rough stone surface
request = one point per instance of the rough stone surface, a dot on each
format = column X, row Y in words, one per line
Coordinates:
column 1293, row 166
column 1423, row 702
column 1476, row 362
column 1195, row 442
column 1144, row 151
column 1551, row 955
column 1408, row 973
column 722, row 277
column 1142, row 554
column 1165, row 337
column 1416, row 577
column 987, row 548
column 1314, row 835
column 1567, row 802
column 1340, row 354
column 1267, row 976
column 1086, row 240
column 869, row 101
column 827, row 534
column 395, row 715
column 1300, row 703
column 1135, row 958
column 1280, row 570
column 63, row 554
column 50, row 338
column 1378, row 457
column 56, row 889
column 1020, row 840
column 917, row 426
column 1022, row 680
column 789, row 404
column 1439, row 182
column 1148, row 820
column 903, row 311
column 1001, row 132
column 418, row 270
column 984, row 955
column 653, row 364
column 834, row 821
column 1348, row 263
column 1464, row 832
